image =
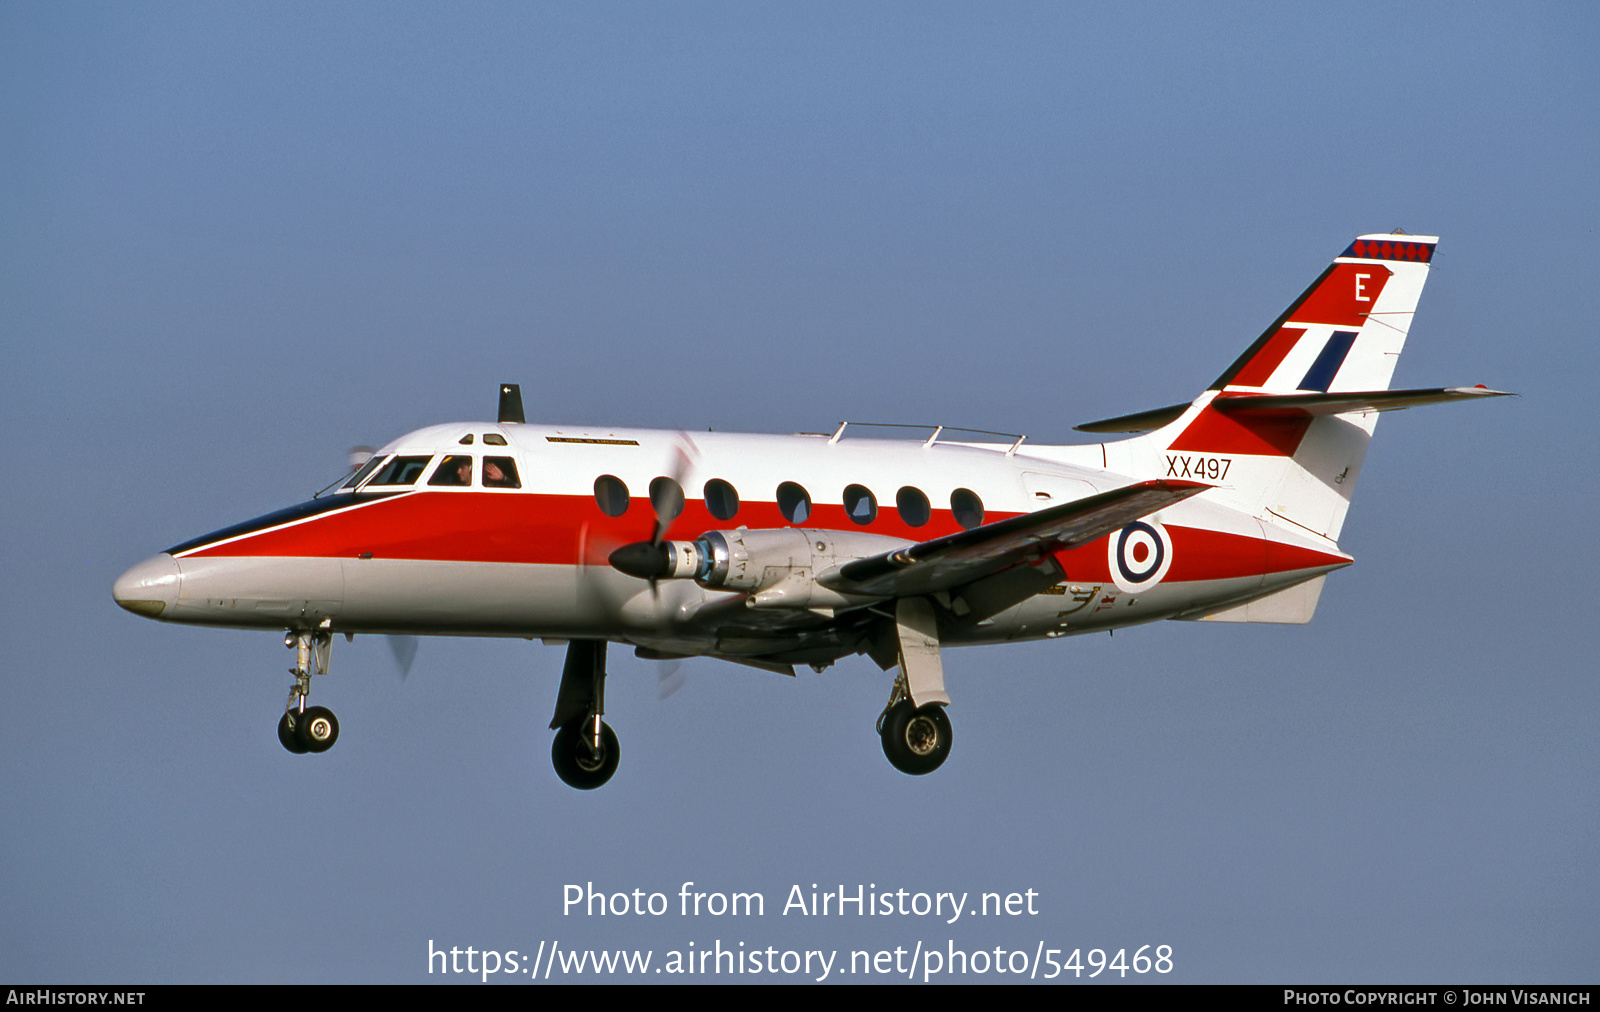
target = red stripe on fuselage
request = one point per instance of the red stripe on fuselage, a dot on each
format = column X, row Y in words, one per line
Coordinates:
column 555, row 529
column 1201, row 554
column 526, row 528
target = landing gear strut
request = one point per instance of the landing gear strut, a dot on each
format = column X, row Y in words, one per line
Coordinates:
column 305, row 728
column 916, row 738
column 585, row 752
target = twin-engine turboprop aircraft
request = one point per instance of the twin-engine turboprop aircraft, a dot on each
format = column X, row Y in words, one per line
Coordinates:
column 773, row 551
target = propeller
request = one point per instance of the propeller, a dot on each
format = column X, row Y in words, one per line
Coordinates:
column 669, row 678
column 404, row 649
column 651, row 560
column 596, row 550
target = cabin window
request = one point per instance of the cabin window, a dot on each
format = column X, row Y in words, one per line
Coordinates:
column 500, row 472
column 666, row 498
column 402, row 471
column 611, row 495
column 722, row 499
column 794, row 502
column 361, row 475
column 455, row 469
column 494, row 439
column 859, row 504
column 967, row 507
column 913, row 506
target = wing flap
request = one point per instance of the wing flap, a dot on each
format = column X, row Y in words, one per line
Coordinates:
column 957, row 559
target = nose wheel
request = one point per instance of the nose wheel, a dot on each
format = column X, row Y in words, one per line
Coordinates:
column 583, row 759
column 304, row 728
column 313, row 730
column 286, row 734
column 585, row 751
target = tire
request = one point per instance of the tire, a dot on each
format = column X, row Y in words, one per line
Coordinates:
column 287, row 737
column 916, row 741
column 575, row 764
column 317, row 729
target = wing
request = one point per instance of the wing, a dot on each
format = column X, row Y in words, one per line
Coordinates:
column 959, row 559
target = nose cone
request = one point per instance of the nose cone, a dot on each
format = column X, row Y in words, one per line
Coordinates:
column 149, row 588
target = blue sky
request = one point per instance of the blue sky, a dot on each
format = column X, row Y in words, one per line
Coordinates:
column 241, row 239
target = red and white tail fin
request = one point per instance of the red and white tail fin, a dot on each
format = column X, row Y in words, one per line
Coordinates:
column 1284, row 430
column 1346, row 331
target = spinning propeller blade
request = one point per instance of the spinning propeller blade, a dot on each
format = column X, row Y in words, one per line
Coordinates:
column 404, row 649
column 666, row 501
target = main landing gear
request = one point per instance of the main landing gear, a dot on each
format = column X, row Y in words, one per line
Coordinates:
column 305, row 728
column 585, row 752
column 916, row 739
column 914, row 727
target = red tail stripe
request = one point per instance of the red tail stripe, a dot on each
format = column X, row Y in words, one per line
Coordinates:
column 1214, row 432
column 1259, row 369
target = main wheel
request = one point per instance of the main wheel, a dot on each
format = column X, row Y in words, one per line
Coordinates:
column 286, row 736
column 916, row 741
column 317, row 729
column 576, row 763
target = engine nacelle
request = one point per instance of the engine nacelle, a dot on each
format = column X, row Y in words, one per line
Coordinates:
column 777, row 568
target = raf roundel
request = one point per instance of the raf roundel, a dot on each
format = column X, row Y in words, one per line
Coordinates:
column 1141, row 554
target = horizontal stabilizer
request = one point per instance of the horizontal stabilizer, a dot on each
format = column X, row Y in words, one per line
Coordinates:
column 1302, row 405
column 958, row 559
column 1296, row 405
column 1144, row 421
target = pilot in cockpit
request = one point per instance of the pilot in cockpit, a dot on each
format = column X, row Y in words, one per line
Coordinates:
column 453, row 470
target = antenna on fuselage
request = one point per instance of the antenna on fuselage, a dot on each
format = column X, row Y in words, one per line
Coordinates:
column 511, row 404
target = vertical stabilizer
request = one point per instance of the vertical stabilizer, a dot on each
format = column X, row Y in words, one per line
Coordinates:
column 1291, row 465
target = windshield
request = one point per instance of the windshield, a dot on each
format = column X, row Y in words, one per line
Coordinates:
column 362, row 474
column 348, row 482
column 401, row 471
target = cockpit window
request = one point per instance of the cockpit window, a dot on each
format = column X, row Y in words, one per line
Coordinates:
column 494, row 439
column 402, row 471
column 361, row 475
column 455, row 469
column 500, row 472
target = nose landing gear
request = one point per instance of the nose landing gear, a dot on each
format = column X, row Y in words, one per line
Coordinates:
column 578, row 762
column 305, row 728
column 585, row 751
